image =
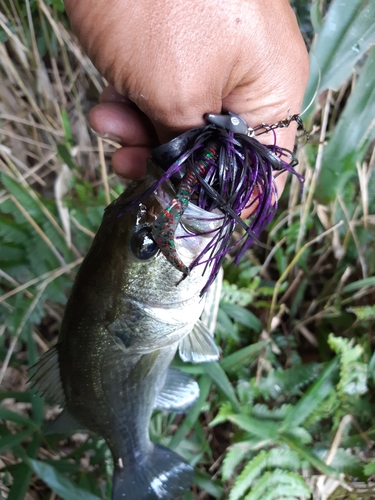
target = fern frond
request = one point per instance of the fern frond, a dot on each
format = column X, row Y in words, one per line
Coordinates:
column 234, row 457
column 262, row 411
column 347, row 463
column 248, row 475
column 283, row 458
column 353, row 372
column 301, row 434
column 232, row 294
column 225, row 410
column 288, row 382
column 282, row 481
column 364, row 313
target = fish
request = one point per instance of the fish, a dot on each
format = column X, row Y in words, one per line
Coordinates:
column 127, row 315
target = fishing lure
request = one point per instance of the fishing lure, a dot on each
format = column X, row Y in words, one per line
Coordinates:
column 164, row 228
column 222, row 168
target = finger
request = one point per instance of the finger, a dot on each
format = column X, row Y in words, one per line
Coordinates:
column 130, row 163
column 110, row 94
column 121, row 123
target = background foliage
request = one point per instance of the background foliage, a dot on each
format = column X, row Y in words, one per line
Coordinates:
column 288, row 411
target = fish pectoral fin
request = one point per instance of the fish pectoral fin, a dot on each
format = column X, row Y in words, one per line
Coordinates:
column 65, row 423
column 45, row 377
column 179, row 393
column 212, row 301
column 199, row 346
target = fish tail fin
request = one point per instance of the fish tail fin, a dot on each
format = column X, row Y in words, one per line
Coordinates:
column 163, row 475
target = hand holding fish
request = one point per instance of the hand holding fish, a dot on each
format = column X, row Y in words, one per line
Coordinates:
column 176, row 60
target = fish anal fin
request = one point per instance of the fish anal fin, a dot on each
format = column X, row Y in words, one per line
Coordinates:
column 179, row 393
column 65, row 423
column 45, row 377
column 199, row 346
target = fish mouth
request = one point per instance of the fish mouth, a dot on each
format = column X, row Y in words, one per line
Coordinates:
column 199, row 222
column 157, row 305
column 195, row 220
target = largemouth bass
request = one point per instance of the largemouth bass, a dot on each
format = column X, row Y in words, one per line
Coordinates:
column 128, row 313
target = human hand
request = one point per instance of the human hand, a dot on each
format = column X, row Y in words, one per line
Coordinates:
column 173, row 61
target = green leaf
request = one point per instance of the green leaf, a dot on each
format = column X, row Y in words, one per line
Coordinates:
column 225, row 326
column 223, row 414
column 246, row 355
column 313, row 397
column 21, row 478
column 349, row 464
column 284, row 481
column 248, row 475
column 8, row 442
column 192, row 416
column 316, row 17
column 205, row 482
column 281, row 382
column 353, row 372
column 22, row 475
column 363, row 312
column 242, row 316
column 369, row 469
column 359, row 285
column 219, row 377
column 59, row 483
column 351, row 137
column 22, row 397
column 233, row 458
column 65, row 156
column 66, row 125
column 6, row 414
column 261, row 428
column 306, row 454
column 348, row 31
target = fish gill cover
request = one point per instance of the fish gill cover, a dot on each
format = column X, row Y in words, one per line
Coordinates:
column 221, row 168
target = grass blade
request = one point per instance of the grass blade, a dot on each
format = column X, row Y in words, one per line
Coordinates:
column 59, row 483
column 349, row 143
column 305, row 453
column 6, row 414
column 192, row 416
column 347, row 33
column 244, row 356
column 261, row 428
column 219, row 377
column 22, row 476
column 242, row 316
column 12, row 440
column 313, row 397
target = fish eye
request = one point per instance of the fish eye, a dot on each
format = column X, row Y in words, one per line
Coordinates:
column 142, row 244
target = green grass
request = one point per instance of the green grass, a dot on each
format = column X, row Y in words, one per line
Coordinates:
column 288, row 410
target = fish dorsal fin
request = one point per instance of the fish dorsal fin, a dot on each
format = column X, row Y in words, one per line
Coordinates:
column 65, row 423
column 199, row 346
column 179, row 393
column 45, row 377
